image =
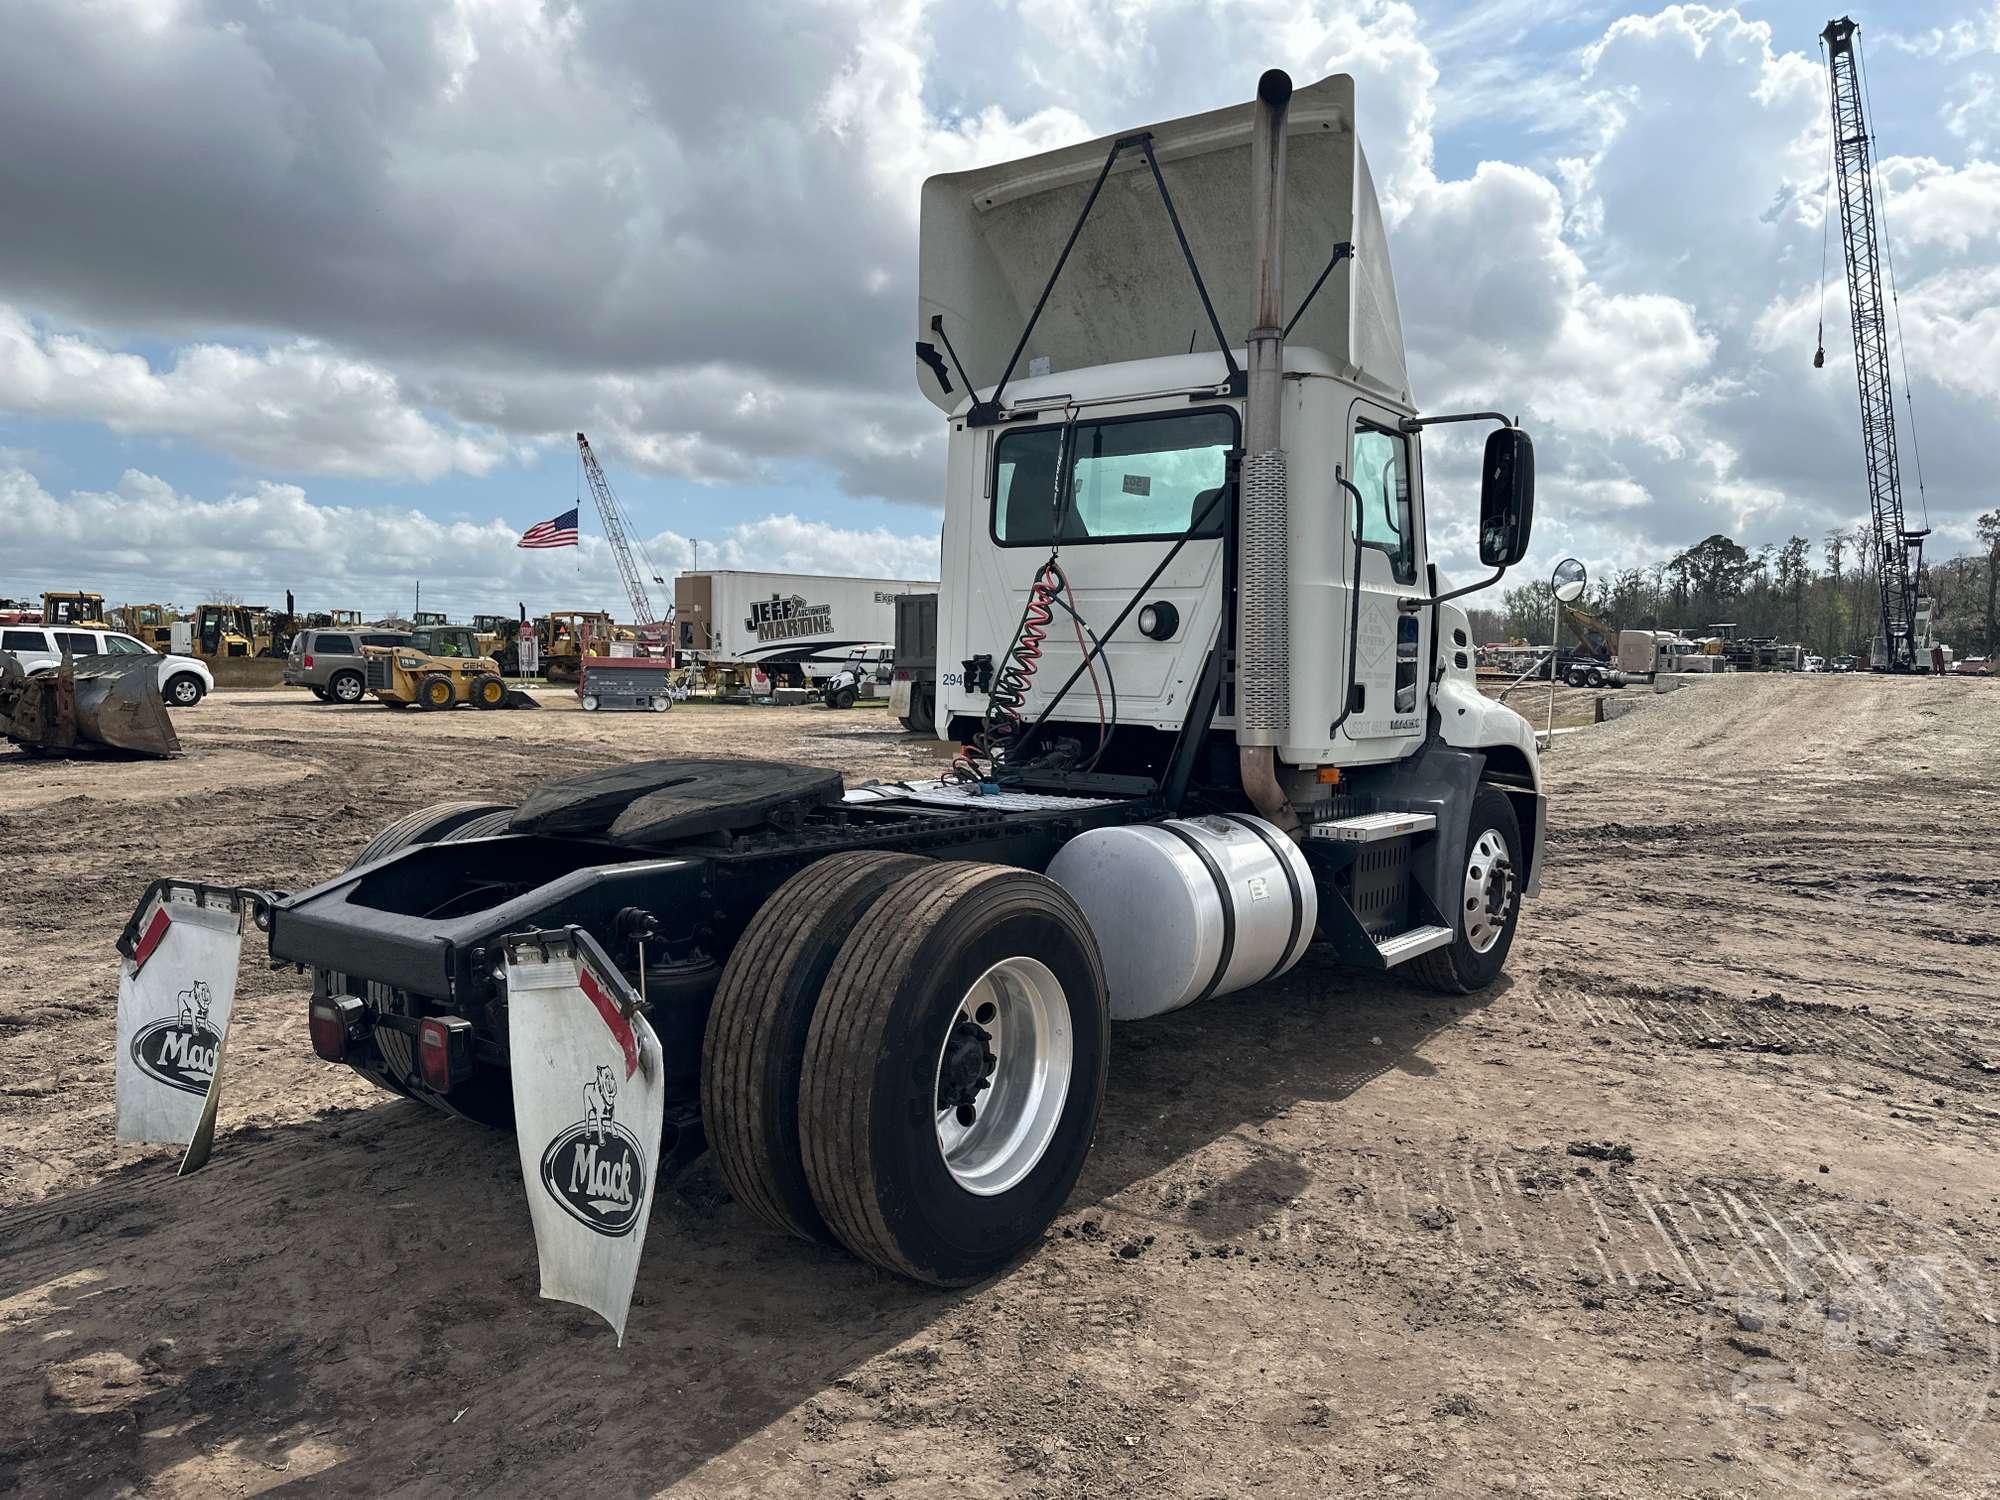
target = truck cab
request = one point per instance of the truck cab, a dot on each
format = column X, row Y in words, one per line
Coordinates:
column 1097, row 441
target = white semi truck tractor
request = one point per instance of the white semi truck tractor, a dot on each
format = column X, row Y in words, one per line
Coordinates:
column 1212, row 702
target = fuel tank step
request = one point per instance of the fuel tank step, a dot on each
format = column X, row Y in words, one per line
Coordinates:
column 1371, row 827
column 1405, row 946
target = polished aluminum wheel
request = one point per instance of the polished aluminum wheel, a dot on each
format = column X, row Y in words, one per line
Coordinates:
column 1489, row 890
column 1003, row 1075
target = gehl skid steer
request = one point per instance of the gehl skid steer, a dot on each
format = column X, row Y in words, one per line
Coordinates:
column 1214, row 704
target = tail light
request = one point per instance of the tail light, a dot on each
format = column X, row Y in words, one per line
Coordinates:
column 334, row 1022
column 309, row 661
column 444, row 1052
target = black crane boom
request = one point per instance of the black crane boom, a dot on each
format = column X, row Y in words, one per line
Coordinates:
column 1899, row 550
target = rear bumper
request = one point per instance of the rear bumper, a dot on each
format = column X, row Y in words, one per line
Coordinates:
column 371, row 924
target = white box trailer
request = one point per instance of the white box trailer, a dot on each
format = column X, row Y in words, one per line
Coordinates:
column 798, row 628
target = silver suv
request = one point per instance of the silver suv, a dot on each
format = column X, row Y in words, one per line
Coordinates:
column 330, row 662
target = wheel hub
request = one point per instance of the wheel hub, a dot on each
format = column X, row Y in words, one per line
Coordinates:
column 1489, row 890
column 1003, row 1074
column 966, row 1071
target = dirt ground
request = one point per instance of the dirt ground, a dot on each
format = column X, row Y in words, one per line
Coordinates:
column 1699, row 1200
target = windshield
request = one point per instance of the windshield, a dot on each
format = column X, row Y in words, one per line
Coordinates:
column 1125, row 479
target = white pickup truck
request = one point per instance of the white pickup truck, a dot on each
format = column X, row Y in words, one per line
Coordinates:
column 184, row 680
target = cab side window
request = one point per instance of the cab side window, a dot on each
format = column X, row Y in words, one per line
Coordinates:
column 1382, row 475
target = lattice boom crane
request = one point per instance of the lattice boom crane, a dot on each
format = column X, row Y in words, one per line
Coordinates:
column 1899, row 550
column 621, row 548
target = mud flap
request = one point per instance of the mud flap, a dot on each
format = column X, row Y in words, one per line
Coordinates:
column 176, row 990
column 589, row 1098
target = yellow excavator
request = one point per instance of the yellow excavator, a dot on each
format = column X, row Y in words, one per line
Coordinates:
column 440, row 666
column 1594, row 638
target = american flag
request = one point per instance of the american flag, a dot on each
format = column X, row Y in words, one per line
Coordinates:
column 561, row 532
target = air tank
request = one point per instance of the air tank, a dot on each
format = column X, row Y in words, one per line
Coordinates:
column 1190, row 907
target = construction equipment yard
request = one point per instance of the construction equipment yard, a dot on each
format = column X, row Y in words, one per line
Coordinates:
column 1699, row 1199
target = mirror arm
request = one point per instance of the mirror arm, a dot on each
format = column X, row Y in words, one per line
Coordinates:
column 1470, row 588
column 1418, row 424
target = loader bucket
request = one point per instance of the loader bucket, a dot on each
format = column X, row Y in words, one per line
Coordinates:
column 89, row 704
column 518, row 699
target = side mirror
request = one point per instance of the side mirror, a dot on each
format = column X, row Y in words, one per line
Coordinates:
column 1506, row 497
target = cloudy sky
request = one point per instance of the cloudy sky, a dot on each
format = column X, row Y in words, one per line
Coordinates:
column 314, row 293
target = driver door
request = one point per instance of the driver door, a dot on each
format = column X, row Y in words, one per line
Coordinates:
column 1391, row 645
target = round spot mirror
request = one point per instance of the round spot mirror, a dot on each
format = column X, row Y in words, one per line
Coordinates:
column 1568, row 580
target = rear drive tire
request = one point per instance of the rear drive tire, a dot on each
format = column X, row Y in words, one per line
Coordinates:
column 347, row 687
column 843, row 697
column 435, row 691
column 1487, row 893
column 426, row 825
column 183, row 690
column 979, row 986
column 755, row 1044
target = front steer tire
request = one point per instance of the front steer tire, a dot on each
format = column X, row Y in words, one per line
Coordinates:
column 755, row 1041
column 876, row 1063
column 1460, row 968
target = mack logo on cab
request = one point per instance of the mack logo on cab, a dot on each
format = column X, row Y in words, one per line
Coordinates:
column 595, row 1168
column 179, row 1050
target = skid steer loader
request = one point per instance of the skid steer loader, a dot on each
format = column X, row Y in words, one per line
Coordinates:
column 440, row 666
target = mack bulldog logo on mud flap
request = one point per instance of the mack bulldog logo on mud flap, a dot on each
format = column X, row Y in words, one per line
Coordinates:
column 589, row 1104
column 176, row 985
column 179, row 1050
column 596, row 1168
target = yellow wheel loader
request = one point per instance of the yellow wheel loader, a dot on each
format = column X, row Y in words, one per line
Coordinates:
column 440, row 667
column 74, row 609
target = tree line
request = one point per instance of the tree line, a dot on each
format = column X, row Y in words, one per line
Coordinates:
column 1831, row 606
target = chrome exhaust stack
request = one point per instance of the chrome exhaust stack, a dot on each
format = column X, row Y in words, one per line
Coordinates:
column 1263, row 616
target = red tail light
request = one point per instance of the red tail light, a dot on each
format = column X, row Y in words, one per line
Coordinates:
column 309, row 660
column 444, row 1051
column 334, row 1022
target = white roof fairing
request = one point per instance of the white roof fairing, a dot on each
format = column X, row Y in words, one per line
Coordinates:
column 991, row 236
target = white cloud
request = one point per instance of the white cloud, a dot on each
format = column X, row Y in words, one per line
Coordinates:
column 145, row 542
column 1956, row 209
column 297, row 408
column 420, row 239
column 1967, row 37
